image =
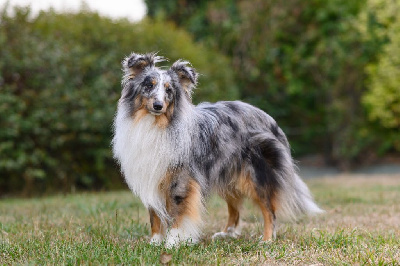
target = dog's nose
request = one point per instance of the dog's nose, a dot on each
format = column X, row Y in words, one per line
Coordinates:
column 157, row 106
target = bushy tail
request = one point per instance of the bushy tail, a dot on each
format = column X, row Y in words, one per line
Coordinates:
column 295, row 200
column 294, row 197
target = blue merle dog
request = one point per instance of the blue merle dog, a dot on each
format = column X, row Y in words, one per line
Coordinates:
column 173, row 154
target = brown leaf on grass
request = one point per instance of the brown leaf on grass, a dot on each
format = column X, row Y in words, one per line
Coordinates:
column 165, row 258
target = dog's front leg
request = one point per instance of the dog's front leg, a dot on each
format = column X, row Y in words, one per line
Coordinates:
column 185, row 207
column 157, row 228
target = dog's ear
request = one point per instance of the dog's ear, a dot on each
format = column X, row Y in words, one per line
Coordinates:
column 134, row 64
column 187, row 75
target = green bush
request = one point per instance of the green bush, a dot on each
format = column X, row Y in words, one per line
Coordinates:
column 301, row 61
column 59, row 84
column 326, row 70
column 382, row 99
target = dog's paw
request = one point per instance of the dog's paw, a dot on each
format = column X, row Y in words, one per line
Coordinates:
column 232, row 232
column 220, row 235
column 156, row 239
column 263, row 240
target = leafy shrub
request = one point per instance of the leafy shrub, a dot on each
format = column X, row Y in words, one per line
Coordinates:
column 60, row 81
column 382, row 99
column 301, row 61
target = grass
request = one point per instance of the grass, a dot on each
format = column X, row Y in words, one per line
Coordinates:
column 361, row 226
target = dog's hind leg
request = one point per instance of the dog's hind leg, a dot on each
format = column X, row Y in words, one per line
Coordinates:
column 233, row 227
column 268, row 213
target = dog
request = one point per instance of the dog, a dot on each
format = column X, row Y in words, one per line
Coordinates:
column 173, row 154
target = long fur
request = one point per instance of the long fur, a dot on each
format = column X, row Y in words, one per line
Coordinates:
column 232, row 148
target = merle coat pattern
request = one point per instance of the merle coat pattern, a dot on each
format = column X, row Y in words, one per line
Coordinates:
column 173, row 154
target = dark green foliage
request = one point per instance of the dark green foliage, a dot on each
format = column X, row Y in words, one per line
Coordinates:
column 382, row 99
column 301, row 61
column 326, row 70
column 60, row 82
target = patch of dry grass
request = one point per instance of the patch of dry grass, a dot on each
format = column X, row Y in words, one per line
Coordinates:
column 361, row 226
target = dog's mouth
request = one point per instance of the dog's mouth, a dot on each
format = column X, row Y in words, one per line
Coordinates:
column 154, row 112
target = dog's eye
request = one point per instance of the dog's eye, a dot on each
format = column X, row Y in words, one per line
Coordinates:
column 149, row 86
column 168, row 90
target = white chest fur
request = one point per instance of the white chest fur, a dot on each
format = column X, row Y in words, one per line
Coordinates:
column 144, row 153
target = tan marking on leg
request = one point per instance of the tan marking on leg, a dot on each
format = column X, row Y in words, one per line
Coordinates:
column 185, row 210
column 268, row 221
column 183, row 201
column 191, row 205
column 274, row 202
column 164, row 187
column 246, row 186
column 233, row 195
column 234, row 205
column 268, row 211
column 155, row 223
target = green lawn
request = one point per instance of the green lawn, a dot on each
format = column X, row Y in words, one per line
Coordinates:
column 361, row 226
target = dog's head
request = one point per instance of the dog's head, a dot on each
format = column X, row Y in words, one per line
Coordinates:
column 149, row 89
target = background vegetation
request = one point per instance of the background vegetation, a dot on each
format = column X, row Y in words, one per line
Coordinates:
column 60, row 81
column 328, row 71
column 305, row 63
